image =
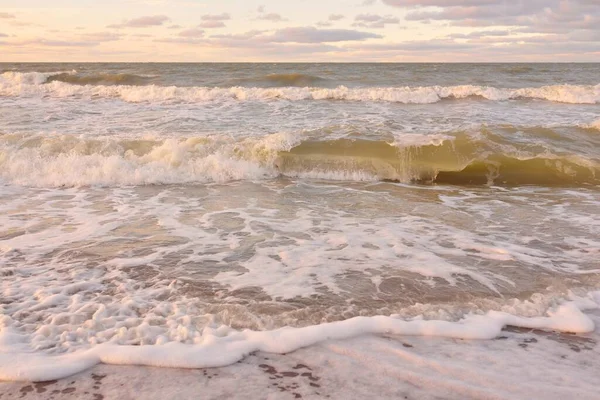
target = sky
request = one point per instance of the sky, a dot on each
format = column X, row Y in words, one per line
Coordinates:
column 300, row 30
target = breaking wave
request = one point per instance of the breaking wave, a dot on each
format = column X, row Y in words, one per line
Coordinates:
column 51, row 161
column 59, row 85
column 594, row 125
column 101, row 79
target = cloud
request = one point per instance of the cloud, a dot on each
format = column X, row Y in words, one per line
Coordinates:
column 578, row 14
column 214, row 20
column 52, row 43
column 330, row 20
column 192, row 33
column 488, row 45
column 182, row 40
column 274, row 51
column 239, row 36
column 23, row 23
column 313, row 35
column 465, row 30
column 253, row 44
column 441, row 3
column 12, row 20
column 423, row 46
column 211, row 24
column 373, row 21
column 142, row 22
column 66, row 43
column 571, row 20
column 298, row 35
column 479, row 34
column 216, row 17
column 100, row 36
column 273, row 17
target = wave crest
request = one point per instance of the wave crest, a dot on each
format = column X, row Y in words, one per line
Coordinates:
column 100, row 79
column 463, row 159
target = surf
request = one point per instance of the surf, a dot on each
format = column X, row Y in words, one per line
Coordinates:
column 460, row 159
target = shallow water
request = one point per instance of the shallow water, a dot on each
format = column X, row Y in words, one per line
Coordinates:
column 145, row 204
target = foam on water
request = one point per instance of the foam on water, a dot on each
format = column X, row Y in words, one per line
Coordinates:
column 221, row 347
column 70, row 161
column 176, row 277
column 15, row 78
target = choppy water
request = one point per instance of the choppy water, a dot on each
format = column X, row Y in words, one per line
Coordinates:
column 149, row 203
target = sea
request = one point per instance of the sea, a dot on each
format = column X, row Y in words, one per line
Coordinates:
column 196, row 215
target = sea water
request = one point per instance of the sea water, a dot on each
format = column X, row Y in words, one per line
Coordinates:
column 187, row 215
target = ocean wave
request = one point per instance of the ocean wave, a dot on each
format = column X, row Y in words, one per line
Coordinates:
column 282, row 80
column 463, row 159
column 53, row 161
column 100, row 79
column 594, row 125
column 520, row 69
column 15, row 78
column 40, row 84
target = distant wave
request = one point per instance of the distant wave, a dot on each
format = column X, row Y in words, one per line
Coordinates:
column 100, row 79
column 520, row 69
column 38, row 84
column 459, row 159
column 594, row 125
column 283, row 80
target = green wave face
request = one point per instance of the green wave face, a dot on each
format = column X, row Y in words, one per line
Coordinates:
column 464, row 160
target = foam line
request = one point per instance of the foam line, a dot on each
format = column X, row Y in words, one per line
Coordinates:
column 218, row 351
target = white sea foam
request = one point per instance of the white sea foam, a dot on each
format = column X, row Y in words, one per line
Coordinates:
column 537, row 365
column 220, row 347
column 33, row 84
column 70, row 161
column 27, row 78
column 110, row 275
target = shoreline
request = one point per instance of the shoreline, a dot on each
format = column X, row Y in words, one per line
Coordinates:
column 392, row 366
